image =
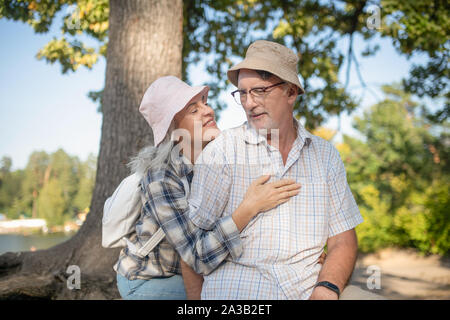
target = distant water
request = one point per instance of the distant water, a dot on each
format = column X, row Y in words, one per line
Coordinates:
column 18, row 242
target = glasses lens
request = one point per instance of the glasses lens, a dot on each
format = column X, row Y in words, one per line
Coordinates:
column 257, row 92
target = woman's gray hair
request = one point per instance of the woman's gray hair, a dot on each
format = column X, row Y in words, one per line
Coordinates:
column 152, row 157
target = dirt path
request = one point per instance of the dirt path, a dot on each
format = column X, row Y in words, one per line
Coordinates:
column 404, row 274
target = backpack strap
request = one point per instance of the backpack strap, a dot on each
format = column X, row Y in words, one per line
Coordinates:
column 148, row 246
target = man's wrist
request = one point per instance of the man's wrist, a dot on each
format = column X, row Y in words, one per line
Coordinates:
column 322, row 293
column 248, row 211
column 329, row 286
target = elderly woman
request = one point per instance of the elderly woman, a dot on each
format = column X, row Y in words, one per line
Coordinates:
column 182, row 123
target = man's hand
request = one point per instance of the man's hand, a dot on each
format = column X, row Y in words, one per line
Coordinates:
column 322, row 293
column 322, row 258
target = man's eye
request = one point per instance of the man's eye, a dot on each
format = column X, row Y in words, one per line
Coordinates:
column 194, row 110
column 258, row 90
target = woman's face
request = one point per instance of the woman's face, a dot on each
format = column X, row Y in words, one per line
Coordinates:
column 197, row 119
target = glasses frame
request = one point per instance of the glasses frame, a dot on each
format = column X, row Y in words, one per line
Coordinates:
column 251, row 91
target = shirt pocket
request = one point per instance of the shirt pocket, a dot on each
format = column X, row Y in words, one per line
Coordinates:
column 310, row 214
column 253, row 171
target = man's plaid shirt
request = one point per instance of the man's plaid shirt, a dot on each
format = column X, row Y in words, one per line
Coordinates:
column 281, row 246
column 166, row 191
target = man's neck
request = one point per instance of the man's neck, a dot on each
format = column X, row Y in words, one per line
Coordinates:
column 286, row 138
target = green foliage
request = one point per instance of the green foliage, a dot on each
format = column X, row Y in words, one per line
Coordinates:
column 313, row 29
column 377, row 230
column 309, row 28
column 438, row 219
column 399, row 176
column 422, row 27
column 34, row 178
column 88, row 17
column 70, row 55
column 53, row 186
column 51, row 203
column 83, row 197
column 217, row 31
column 10, row 182
column 418, row 25
column 399, row 173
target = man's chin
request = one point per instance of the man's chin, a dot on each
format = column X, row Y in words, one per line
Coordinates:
column 260, row 125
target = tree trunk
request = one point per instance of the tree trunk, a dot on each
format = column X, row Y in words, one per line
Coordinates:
column 145, row 42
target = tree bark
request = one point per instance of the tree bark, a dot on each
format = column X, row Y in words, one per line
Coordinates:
column 145, row 43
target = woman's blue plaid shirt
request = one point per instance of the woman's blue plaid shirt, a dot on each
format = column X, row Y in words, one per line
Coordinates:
column 166, row 191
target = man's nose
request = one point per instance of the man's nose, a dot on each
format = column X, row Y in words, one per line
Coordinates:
column 250, row 103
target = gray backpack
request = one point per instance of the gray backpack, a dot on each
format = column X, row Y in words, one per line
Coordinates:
column 120, row 214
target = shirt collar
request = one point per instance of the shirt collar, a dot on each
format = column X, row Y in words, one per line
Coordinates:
column 303, row 135
column 252, row 136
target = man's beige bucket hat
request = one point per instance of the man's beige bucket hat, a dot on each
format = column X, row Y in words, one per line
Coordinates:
column 269, row 56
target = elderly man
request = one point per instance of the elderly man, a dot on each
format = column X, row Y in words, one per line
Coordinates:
column 281, row 247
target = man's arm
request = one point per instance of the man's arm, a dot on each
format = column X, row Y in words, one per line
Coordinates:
column 192, row 281
column 339, row 264
column 342, row 244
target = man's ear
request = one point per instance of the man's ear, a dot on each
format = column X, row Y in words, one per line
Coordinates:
column 293, row 91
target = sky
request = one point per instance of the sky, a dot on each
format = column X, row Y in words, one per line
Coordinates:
column 43, row 110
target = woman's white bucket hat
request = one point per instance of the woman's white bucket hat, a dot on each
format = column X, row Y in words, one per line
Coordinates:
column 165, row 97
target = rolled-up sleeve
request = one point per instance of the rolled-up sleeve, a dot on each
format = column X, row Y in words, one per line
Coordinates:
column 203, row 250
column 344, row 213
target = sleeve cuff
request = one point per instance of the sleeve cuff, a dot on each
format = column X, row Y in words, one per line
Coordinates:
column 196, row 217
column 351, row 223
column 230, row 236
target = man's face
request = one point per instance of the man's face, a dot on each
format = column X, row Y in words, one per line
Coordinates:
column 273, row 109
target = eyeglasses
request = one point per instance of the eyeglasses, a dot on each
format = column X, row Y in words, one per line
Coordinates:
column 240, row 96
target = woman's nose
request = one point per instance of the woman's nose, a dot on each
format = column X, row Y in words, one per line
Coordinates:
column 207, row 110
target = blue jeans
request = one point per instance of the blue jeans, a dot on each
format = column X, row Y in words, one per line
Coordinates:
column 171, row 288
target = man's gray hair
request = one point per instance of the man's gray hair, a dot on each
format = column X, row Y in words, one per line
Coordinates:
column 265, row 75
